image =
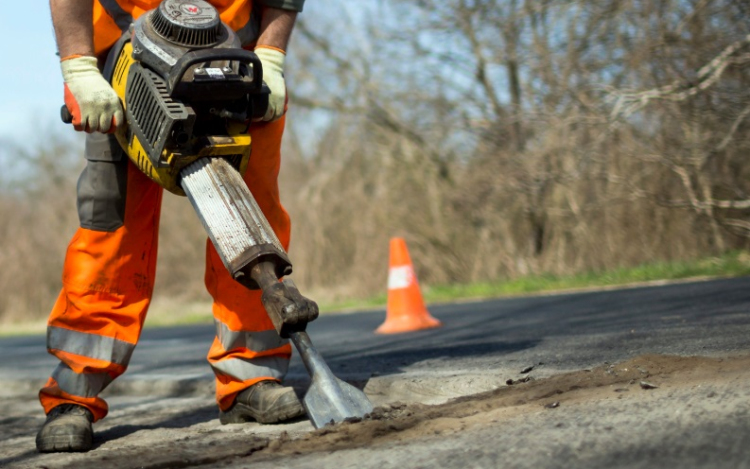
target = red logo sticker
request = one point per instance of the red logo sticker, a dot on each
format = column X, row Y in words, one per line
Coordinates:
column 190, row 9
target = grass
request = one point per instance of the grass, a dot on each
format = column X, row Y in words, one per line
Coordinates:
column 732, row 264
column 172, row 312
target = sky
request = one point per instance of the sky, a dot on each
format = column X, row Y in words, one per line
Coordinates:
column 31, row 87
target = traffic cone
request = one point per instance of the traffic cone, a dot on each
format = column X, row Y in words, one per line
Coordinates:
column 406, row 310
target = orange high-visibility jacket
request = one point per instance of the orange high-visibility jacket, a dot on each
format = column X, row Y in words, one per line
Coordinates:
column 113, row 17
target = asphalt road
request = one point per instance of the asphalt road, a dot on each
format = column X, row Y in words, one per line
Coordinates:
column 480, row 346
column 565, row 332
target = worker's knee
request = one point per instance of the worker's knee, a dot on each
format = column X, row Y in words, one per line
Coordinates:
column 102, row 186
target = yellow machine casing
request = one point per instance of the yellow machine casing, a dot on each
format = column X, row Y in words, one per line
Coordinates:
column 235, row 145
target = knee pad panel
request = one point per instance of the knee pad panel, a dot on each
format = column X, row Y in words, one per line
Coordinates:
column 102, row 186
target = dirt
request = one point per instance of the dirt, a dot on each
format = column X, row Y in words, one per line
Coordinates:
column 394, row 424
column 400, row 423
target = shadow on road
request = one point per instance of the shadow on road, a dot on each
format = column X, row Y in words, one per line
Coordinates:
column 184, row 420
column 18, row 459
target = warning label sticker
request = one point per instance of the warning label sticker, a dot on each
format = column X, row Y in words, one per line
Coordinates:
column 215, row 73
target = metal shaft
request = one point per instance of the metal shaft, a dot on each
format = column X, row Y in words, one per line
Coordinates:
column 310, row 356
column 234, row 222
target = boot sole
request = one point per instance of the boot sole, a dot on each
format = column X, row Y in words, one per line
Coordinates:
column 241, row 413
column 64, row 444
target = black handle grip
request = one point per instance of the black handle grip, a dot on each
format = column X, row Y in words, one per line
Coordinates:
column 65, row 115
column 210, row 55
column 259, row 103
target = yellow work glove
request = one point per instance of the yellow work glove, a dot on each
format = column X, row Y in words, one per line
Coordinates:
column 272, row 60
column 91, row 101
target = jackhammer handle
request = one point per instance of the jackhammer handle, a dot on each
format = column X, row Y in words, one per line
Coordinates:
column 67, row 118
column 65, row 115
column 211, row 55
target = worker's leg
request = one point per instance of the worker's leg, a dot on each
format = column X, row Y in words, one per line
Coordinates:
column 247, row 348
column 107, row 278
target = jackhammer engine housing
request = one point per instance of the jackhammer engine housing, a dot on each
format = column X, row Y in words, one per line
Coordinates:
column 188, row 89
column 190, row 92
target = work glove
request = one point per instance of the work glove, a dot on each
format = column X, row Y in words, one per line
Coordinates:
column 272, row 60
column 91, row 101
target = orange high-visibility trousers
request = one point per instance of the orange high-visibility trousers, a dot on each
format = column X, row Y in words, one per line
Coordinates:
column 108, row 279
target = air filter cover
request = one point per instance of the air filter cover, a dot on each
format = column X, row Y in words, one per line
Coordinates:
column 191, row 23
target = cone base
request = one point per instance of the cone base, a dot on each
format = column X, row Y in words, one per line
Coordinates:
column 408, row 322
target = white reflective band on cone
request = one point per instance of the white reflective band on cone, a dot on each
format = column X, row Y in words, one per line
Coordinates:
column 400, row 277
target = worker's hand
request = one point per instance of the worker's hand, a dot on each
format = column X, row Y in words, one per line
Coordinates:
column 92, row 102
column 272, row 60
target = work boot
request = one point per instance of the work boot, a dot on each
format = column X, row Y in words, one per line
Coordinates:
column 264, row 402
column 67, row 429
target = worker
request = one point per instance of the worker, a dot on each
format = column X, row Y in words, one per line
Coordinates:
column 109, row 268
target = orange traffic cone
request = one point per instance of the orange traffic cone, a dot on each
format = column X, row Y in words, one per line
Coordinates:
column 406, row 310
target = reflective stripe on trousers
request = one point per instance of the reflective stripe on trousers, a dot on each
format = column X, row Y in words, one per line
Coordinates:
column 244, row 369
column 255, row 364
column 260, row 341
column 93, row 346
column 80, row 384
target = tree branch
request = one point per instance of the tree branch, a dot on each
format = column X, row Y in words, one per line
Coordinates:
column 708, row 75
